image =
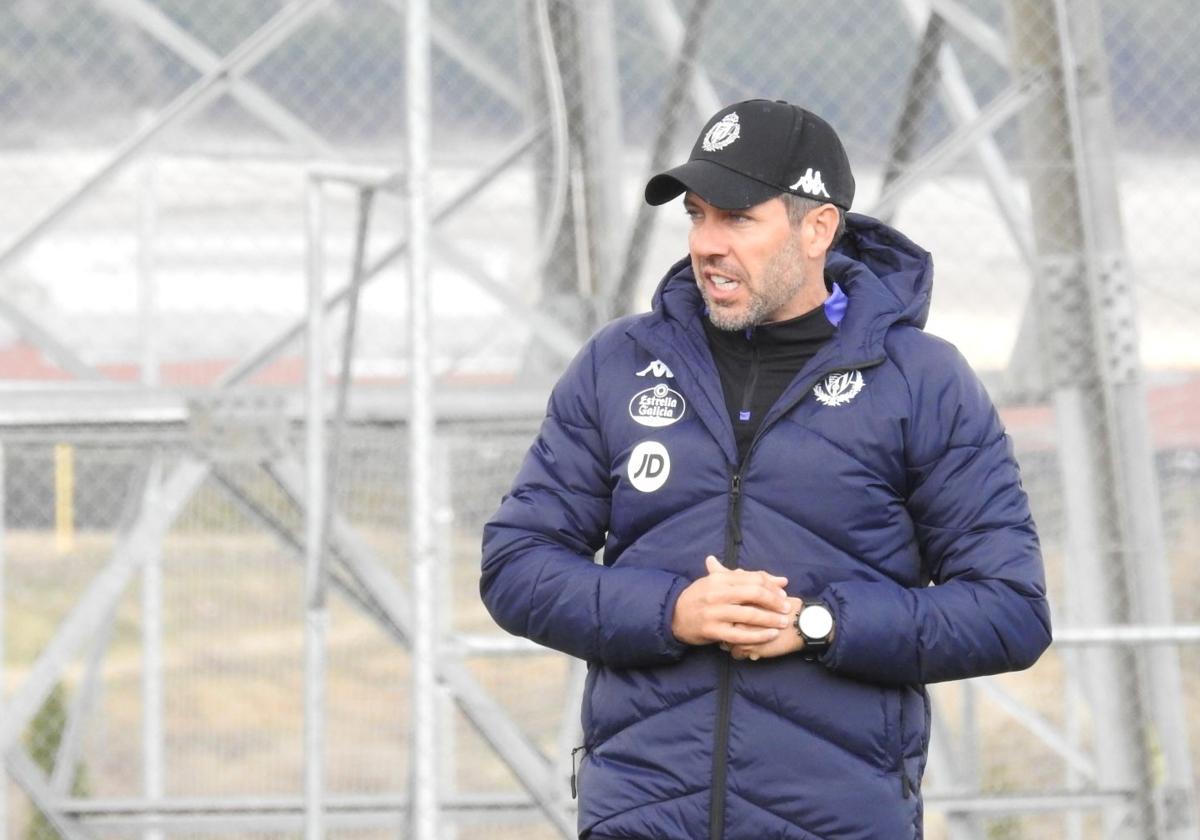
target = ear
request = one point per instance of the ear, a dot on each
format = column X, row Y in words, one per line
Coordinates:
column 820, row 226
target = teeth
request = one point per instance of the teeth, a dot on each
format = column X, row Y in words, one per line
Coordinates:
column 723, row 282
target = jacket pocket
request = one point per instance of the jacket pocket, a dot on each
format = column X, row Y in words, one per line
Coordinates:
column 907, row 784
column 577, row 756
column 892, row 724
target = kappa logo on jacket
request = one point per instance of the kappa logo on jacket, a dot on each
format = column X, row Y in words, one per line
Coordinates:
column 656, row 369
column 839, row 388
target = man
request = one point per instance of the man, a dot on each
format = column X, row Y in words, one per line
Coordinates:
column 777, row 463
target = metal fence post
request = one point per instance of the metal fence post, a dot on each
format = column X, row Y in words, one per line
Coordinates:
column 3, row 652
column 423, row 767
column 152, row 594
column 316, row 619
column 1168, row 773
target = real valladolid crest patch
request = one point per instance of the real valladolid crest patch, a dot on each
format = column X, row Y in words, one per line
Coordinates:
column 839, row 388
column 657, row 407
column 722, row 134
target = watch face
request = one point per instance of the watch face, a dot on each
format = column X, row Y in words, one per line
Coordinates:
column 816, row 621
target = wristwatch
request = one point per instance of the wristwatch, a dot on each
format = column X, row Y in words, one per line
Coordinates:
column 814, row 623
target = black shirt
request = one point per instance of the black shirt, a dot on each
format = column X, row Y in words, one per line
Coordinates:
column 758, row 363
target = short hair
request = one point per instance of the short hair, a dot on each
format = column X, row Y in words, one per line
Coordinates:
column 798, row 207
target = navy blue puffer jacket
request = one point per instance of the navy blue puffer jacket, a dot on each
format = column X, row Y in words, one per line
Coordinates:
column 882, row 469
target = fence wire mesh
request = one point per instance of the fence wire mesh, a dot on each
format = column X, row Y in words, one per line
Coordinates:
column 154, row 156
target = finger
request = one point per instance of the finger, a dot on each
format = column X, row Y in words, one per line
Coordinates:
column 768, row 579
column 765, row 577
column 749, row 615
column 734, row 635
column 714, row 566
column 756, row 594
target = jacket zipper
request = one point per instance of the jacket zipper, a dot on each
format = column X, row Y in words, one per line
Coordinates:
column 733, row 540
column 751, row 383
column 575, row 769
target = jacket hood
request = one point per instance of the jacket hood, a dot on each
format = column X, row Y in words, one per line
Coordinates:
column 887, row 278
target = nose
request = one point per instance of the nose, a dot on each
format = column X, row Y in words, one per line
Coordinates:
column 707, row 239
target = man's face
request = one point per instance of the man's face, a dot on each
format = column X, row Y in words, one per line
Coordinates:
column 748, row 263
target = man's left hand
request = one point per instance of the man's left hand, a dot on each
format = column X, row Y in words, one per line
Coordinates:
column 783, row 644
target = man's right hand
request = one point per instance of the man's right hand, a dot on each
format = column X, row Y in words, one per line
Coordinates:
column 731, row 606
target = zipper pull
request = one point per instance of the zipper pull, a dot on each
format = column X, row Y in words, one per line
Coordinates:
column 905, row 785
column 735, row 529
column 574, row 789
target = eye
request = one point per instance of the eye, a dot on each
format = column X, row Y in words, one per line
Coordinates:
column 692, row 213
column 739, row 218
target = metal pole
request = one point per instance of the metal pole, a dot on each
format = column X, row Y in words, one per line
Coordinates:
column 423, row 766
column 152, row 612
column 622, row 290
column 97, row 601
column 162, row 28
column 315, row 617
column 529, row 765
column 366, row 197
column 1065, row 335
column 1072, row 701
column 3, row 661
column 153, row 761
column 1168, row 773
column 443, row 514
column 968, row 759
column 600, row 143
column 201, row 93
column 276, row 344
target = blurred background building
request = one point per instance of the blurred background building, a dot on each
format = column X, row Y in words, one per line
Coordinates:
column 460, row 182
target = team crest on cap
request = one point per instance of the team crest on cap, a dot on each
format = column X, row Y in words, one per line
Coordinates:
column 722, row 134
column 839, row 388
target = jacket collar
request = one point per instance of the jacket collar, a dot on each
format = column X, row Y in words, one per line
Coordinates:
column 886, row 279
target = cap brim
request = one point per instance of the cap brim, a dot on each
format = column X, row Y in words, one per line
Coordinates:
column 717, row 185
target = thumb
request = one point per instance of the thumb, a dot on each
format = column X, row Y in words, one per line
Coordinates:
column 713, row 565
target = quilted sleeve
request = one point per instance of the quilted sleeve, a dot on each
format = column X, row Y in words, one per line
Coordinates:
column 539, row 578
column 986, row 611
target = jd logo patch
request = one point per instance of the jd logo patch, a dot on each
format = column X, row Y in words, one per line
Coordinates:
column 657, row 407
column 839, row 388
column 649, row 466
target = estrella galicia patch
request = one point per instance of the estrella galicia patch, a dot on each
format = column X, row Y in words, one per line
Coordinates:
column 657, row 407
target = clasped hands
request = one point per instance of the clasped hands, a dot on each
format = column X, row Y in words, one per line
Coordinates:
column 747, row 613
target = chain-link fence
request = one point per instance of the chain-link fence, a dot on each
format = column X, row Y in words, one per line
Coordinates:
column 154, row 156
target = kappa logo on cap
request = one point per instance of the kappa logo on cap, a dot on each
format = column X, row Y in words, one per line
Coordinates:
column 811, row 183
column 722, row 134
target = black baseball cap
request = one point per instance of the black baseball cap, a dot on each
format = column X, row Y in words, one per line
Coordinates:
column 753, row 151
